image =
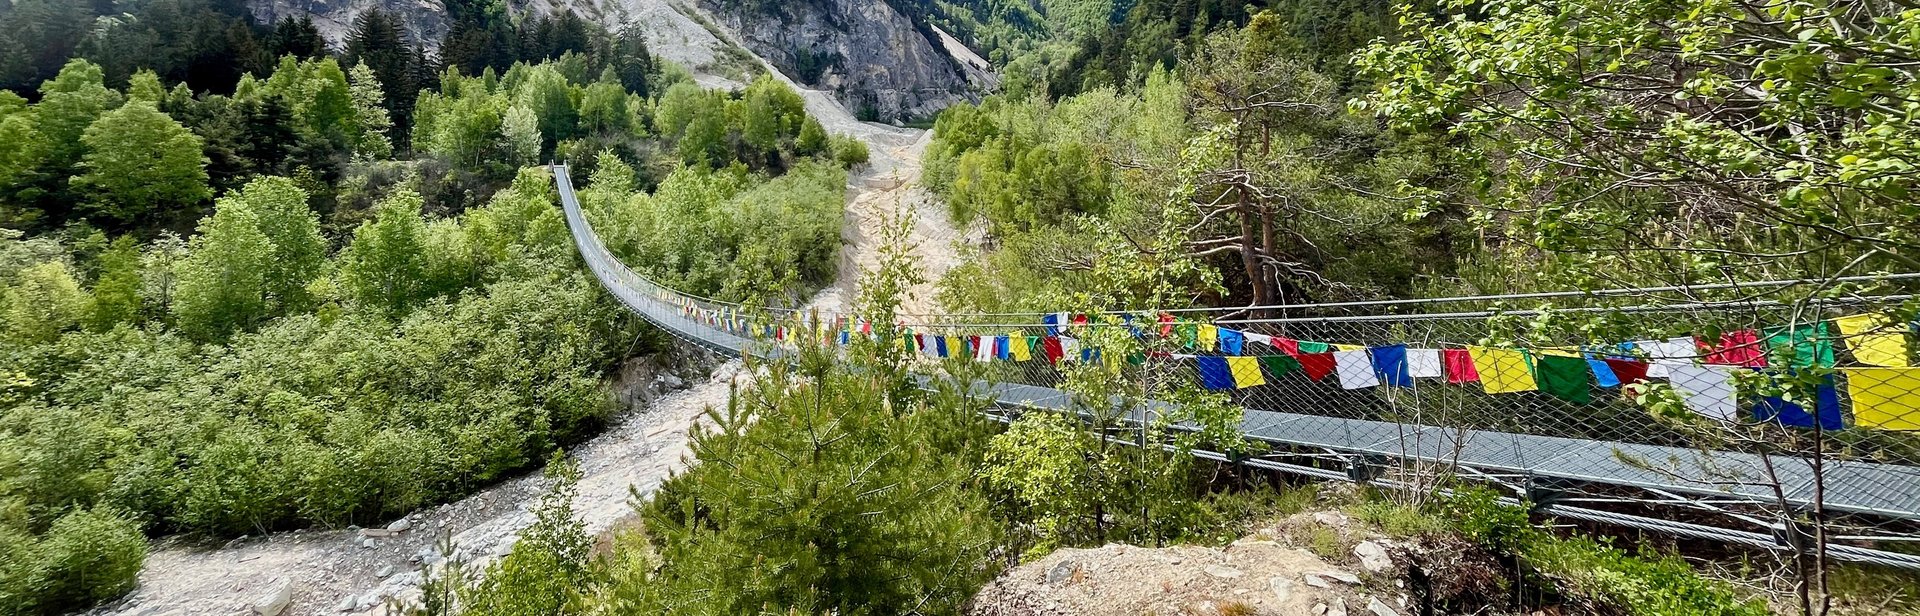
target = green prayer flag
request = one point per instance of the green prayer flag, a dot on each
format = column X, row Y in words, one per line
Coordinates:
column 1312, row 347
column 1564, row 377
column 1189, row 334
column 1279, row 365
column 1807, row 345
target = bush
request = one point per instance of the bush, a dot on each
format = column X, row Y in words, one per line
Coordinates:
column 87, row 556
column 818, row 493
column 848, row 151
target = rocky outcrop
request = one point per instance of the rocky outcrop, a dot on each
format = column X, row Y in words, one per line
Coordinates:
column 426, row 20
column 872, row 58
column 868, row 56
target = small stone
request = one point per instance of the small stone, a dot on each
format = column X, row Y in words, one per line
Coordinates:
column 1175, row 561
column 369, row 543
column 1319, row 608
column 1331, row 518
column 1315, row 581
column 384, row 572
column 1282, row 588
column 400, row 526
column 1222, row 571
column 1339, row 608
column 274, row 601
column 1373, row 557
column 235, row 542
column 348, row 603
column 1062, row 572
column 1380, row 609
column 1339, row 576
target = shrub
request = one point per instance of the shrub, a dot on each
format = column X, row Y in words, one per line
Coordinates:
column 87, row 556
column 848, row 151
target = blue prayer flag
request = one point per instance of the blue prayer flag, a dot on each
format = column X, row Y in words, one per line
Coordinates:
column 1214, row 373
column 940, row 345
column 1602, row 373
column 1234, row 343
column 1390, row 362
column 1052, row 322
column 1002, row 348
column 1826, row 404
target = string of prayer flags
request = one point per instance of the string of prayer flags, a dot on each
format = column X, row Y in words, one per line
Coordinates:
column 1885, row 398
column 1793, row 414
column 1424, row 364
column 1316, row 365
column 1356, row 369
column 1808, row 346
column 1214, row 373
column 1735, row 348
column 1707, row 390
column 1232, row 342
column 1874, row 339
column 1564, row 377
column 1279, row 365
column 1502, row 370
column 1246, row 371
column 1458, row 364
column 1390, row 365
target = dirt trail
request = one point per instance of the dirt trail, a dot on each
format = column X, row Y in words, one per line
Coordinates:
column 891, row 188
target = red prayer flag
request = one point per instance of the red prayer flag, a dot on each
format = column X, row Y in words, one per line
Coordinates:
column 1627, row 370
column 1736, row 348
column 1079, row 319
column 1051, row 346
column 1316, row 365
column 1459, row 366
column 1166, row 325
column 1288, row 346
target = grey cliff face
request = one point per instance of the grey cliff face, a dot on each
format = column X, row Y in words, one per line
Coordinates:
column 868, row 55
column 426, row 20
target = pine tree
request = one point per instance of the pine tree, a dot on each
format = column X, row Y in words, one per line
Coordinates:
column 380, row 41
column 296, row 37
column 633, row 62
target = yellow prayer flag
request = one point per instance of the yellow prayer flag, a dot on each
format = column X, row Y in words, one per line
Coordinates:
column 1246, row 371
column 957, row 347
column 1560, row 351
column 1885, row 398
column 1349, row 347
column 1209, row 336
column 1021, row 349
column 1502, row 370
column 1874, row 340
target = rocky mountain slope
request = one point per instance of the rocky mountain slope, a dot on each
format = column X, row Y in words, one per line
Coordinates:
column 868, row 56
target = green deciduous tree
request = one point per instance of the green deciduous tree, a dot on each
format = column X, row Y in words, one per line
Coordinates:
column 140, row 163
column 385, row 268
column 116, row 292
column 221, row 287
column 371, row 116
column 44, row 301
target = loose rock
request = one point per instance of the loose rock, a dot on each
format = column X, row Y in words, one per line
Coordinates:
column 1380, row 609
column 1373, row 557
column 1222, row 571
column 1282, row 588
column 1061, row 572
column 1339, row 576
column 278, row 594
column 400, row 526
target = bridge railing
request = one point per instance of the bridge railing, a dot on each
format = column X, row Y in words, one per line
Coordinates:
column 1748, row 419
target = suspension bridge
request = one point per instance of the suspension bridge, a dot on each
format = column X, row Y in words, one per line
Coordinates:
column 1601, row 461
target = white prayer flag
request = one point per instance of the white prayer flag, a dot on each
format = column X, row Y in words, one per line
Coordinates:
column 1424, row 363
column 1355, row 368
column 1707, row 390
column 1069, row 349
column 985, row 352
column 1663, row 355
